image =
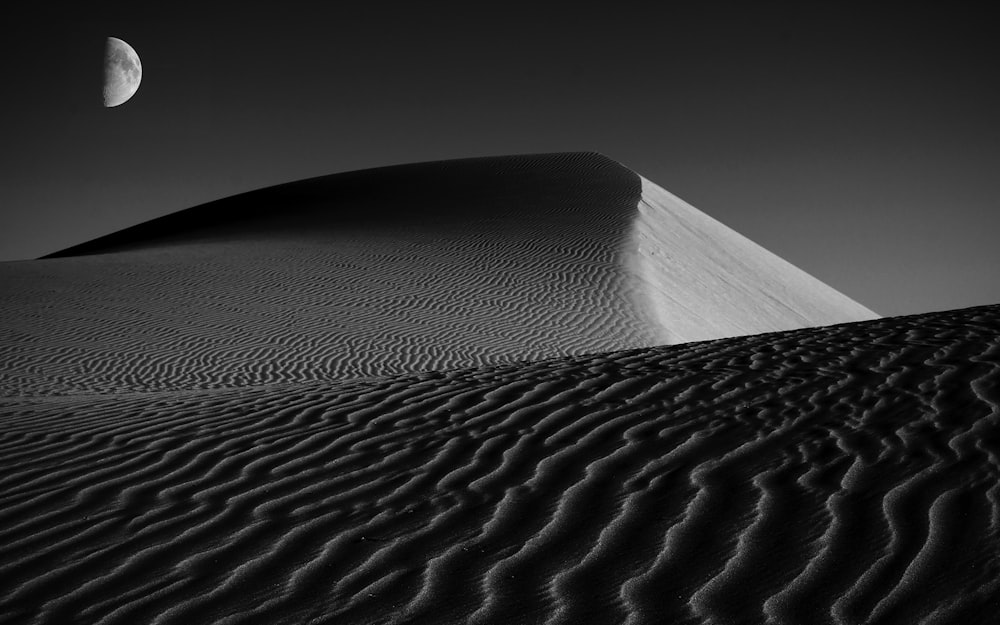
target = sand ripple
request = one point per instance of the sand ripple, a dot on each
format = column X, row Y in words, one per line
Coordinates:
column 844, row 474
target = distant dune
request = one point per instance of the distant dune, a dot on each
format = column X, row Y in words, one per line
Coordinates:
column 846, row 474
column 385, row 271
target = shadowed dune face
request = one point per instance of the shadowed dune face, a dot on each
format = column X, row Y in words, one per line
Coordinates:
column 509, row 194
column 846, row 474
column 385, row 271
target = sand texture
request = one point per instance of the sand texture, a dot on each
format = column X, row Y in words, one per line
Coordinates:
column 443, row 393
column 846, row 474
column 409, row 268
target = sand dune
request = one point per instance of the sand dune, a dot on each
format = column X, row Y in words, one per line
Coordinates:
column 385, row 271
column 845, row 474
column 434, row 394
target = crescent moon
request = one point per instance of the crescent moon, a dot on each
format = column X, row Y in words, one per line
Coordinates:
column 122, row 72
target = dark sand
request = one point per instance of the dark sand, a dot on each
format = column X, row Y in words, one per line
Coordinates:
column 345, row 410
column 846, row 474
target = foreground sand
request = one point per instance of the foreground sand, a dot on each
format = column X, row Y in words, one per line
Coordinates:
column 846, row 474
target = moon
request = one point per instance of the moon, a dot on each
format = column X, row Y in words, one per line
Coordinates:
column 122, row 72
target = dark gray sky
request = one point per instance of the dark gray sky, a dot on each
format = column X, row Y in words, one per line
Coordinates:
column 861, row 145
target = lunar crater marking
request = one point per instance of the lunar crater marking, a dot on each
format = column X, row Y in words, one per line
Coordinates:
column 122, row 72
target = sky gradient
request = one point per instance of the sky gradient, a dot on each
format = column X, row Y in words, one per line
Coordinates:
column 862, row 146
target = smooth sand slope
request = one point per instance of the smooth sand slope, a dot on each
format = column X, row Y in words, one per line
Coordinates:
column 703, row 281
column 847, row 474
column 408, row 268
